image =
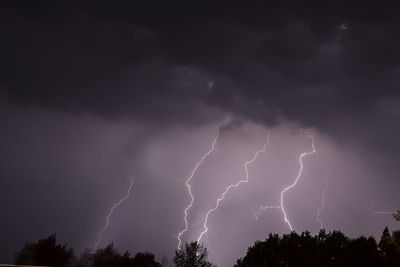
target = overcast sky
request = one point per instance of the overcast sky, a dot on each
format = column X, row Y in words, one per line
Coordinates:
column 95, row 94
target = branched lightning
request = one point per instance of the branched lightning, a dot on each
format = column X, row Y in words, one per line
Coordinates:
column 221, row 198
column 302, row 155
column 322, row 205
column 189, row 188
column 286, row 189
column 109, row 216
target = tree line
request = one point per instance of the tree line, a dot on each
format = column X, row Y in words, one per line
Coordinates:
column 325, row 249
column 46, row 252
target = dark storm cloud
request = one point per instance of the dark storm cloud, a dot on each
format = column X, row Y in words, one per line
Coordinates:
column 305, row 63
column 94, row 93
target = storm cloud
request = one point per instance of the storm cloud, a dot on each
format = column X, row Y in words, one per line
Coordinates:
column 94, row 93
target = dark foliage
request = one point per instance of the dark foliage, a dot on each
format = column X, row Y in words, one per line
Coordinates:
column 324, row 249
column 109, row 256
column 390, row 247
column 193, row 255
column 45, row 252
column 332, row 249
column 144, row 259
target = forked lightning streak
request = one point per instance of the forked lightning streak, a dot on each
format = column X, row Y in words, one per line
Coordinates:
column 189, row 188
column 228, row 188
column 109, row 216
column 286, row 189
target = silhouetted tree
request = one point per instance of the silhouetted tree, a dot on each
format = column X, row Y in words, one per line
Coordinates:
column 193, row 255
column 386, row 239
column 390, row 248
column 362, row 252
column 331, row 247
column 109, row 256
column 325, row 249
column 290, row 250
column 45, row 252
column 145, row 259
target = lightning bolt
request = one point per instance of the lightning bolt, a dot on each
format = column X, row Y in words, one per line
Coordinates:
column 381, row 212
column 109, row 216
column 189, row 188
column 221, row 198
column 286, row 189
column 302, row 155
column 322, row 204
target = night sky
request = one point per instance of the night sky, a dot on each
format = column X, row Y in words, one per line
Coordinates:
column 95, row 94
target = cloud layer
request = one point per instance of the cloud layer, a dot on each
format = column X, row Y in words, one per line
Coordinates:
column 92, row 94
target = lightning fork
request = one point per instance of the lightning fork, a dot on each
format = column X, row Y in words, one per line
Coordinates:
column 189, row 188
column 109, row 216
column 322, row 204
column 227, row 189
column 286, row 189
column 302, row 155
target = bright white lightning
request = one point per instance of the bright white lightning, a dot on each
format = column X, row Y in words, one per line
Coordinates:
column 221, row 198
column 281, row 206
column 322, row 205
column 302, row 155
column 189, row 187
column 109, row 216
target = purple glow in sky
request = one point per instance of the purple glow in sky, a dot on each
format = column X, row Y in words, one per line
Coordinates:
column 93, row 94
